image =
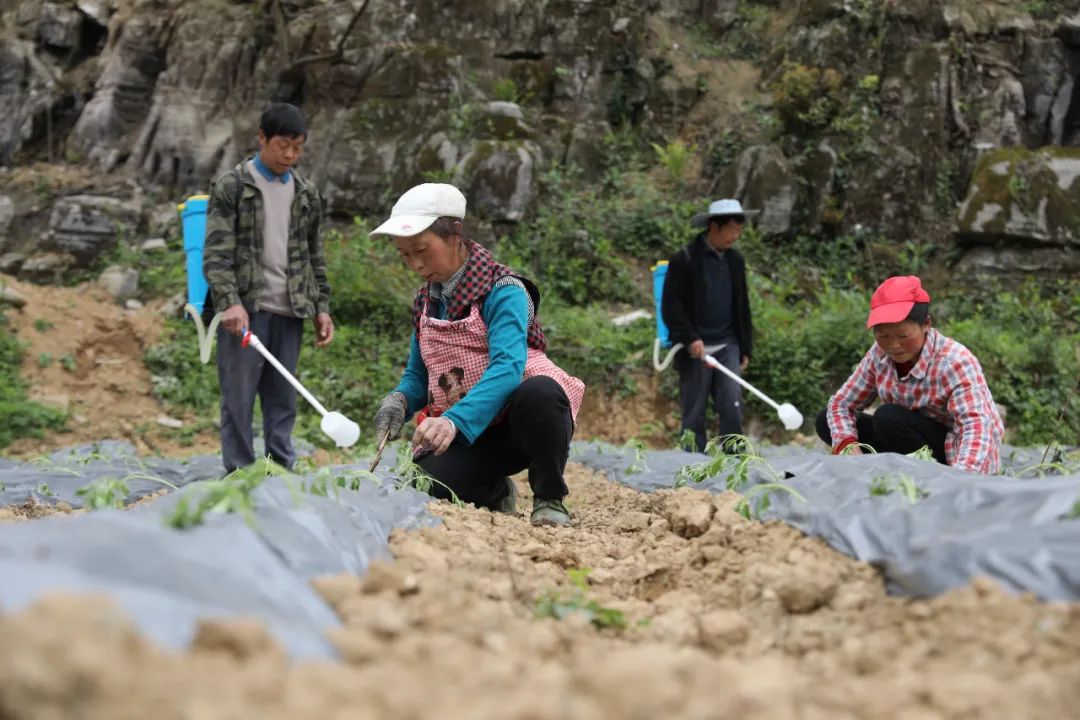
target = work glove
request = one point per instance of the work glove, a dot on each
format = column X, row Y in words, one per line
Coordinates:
column 390, row 416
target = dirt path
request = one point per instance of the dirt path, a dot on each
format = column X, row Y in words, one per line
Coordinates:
column 84, row 354
column 726, row 619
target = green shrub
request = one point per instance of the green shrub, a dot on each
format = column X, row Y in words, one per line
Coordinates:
column 585, row 343
column 1027, row 343
column 804, row 348
column 586, row 246
column 20, row 417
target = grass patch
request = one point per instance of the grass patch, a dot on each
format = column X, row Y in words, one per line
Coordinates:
column 19, row 416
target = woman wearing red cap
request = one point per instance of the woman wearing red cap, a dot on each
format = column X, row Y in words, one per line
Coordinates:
column 931, row 387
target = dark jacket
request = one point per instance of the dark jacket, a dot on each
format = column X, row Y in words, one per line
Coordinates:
column 233, row 252
column 683, row 301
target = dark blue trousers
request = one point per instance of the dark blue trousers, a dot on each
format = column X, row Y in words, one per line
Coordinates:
column 698, row 382
column 243, row 375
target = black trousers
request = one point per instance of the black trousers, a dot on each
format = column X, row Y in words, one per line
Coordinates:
column 893, row 428
column 534, row 433
column 243, row 374
column 698, row 382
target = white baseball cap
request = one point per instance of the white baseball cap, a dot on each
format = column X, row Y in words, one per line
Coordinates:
column 420, row 206
column 720, row 207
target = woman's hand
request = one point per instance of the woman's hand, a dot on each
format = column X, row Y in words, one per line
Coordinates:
column 391, row 416
column 433, row 435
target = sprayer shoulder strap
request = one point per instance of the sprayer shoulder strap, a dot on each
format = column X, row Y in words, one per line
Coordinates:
column 236, row 196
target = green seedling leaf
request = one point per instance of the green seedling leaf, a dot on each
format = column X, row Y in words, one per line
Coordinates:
column 231, row 494
column 687, row 441
column 866, row 449
column 638, row 465
column 559, row 605
column 886, row 485
column 880, row 486
column 104, row 493
column 923, row 453
column 410, row 474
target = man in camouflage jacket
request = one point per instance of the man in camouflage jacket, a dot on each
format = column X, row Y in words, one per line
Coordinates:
column 264, row 262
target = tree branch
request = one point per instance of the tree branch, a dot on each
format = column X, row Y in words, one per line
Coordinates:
column 338, row 54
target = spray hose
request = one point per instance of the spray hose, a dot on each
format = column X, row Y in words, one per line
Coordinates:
column 205, row 334
column 661, row 366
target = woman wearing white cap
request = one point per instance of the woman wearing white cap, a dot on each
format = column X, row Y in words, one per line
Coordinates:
column 492, row 402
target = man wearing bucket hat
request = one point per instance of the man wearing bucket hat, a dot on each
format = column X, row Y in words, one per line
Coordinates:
column 932, row 390
column 264, row 262
column 491, row 402
column 706, row 306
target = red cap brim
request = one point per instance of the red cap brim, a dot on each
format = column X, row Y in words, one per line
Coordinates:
column 890, row 313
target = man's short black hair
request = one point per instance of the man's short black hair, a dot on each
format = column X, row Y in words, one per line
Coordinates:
column 721, row 220
column 283, row 119
column 920, row 312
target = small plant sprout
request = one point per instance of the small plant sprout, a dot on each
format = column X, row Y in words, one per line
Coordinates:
column 904, row 484
column 560, row 605
column 687, row 441
column 231, row 494
column 45, row 490
column 639, row 464
column 1074, row 513
column 734, row 455
column 44, row 360
column 67, row 362
column 758, row 499
column 910, row 490
column 410, row 474
column 321, row 484
column 880, row 486
column 866, row 449
column 104, row 493
column 923, row 453
column 43, row 325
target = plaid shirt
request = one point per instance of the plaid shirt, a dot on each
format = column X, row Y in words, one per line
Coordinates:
column 946, row 385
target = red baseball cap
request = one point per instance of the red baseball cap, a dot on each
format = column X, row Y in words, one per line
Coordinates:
column 894, row 298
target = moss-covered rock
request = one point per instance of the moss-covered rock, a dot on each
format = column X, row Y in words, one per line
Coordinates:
column 762, row 179
column 987, row 17
column 1030, row 197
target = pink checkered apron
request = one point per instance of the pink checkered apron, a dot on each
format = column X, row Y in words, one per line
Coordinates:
column 455, row 353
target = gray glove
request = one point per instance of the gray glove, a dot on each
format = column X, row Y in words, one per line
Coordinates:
column 391, row 416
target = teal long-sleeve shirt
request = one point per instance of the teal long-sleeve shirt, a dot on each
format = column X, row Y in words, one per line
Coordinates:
column 506, row 314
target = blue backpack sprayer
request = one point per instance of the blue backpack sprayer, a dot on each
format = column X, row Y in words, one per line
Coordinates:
column 789, row 415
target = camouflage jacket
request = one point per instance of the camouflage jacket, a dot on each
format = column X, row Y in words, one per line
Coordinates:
column 233, row 251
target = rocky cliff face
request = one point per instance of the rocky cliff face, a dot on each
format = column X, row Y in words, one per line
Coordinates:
column 829, row 115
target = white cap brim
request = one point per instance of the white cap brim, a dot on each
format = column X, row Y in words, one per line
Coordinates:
column 702, row 219
column 405, row 225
